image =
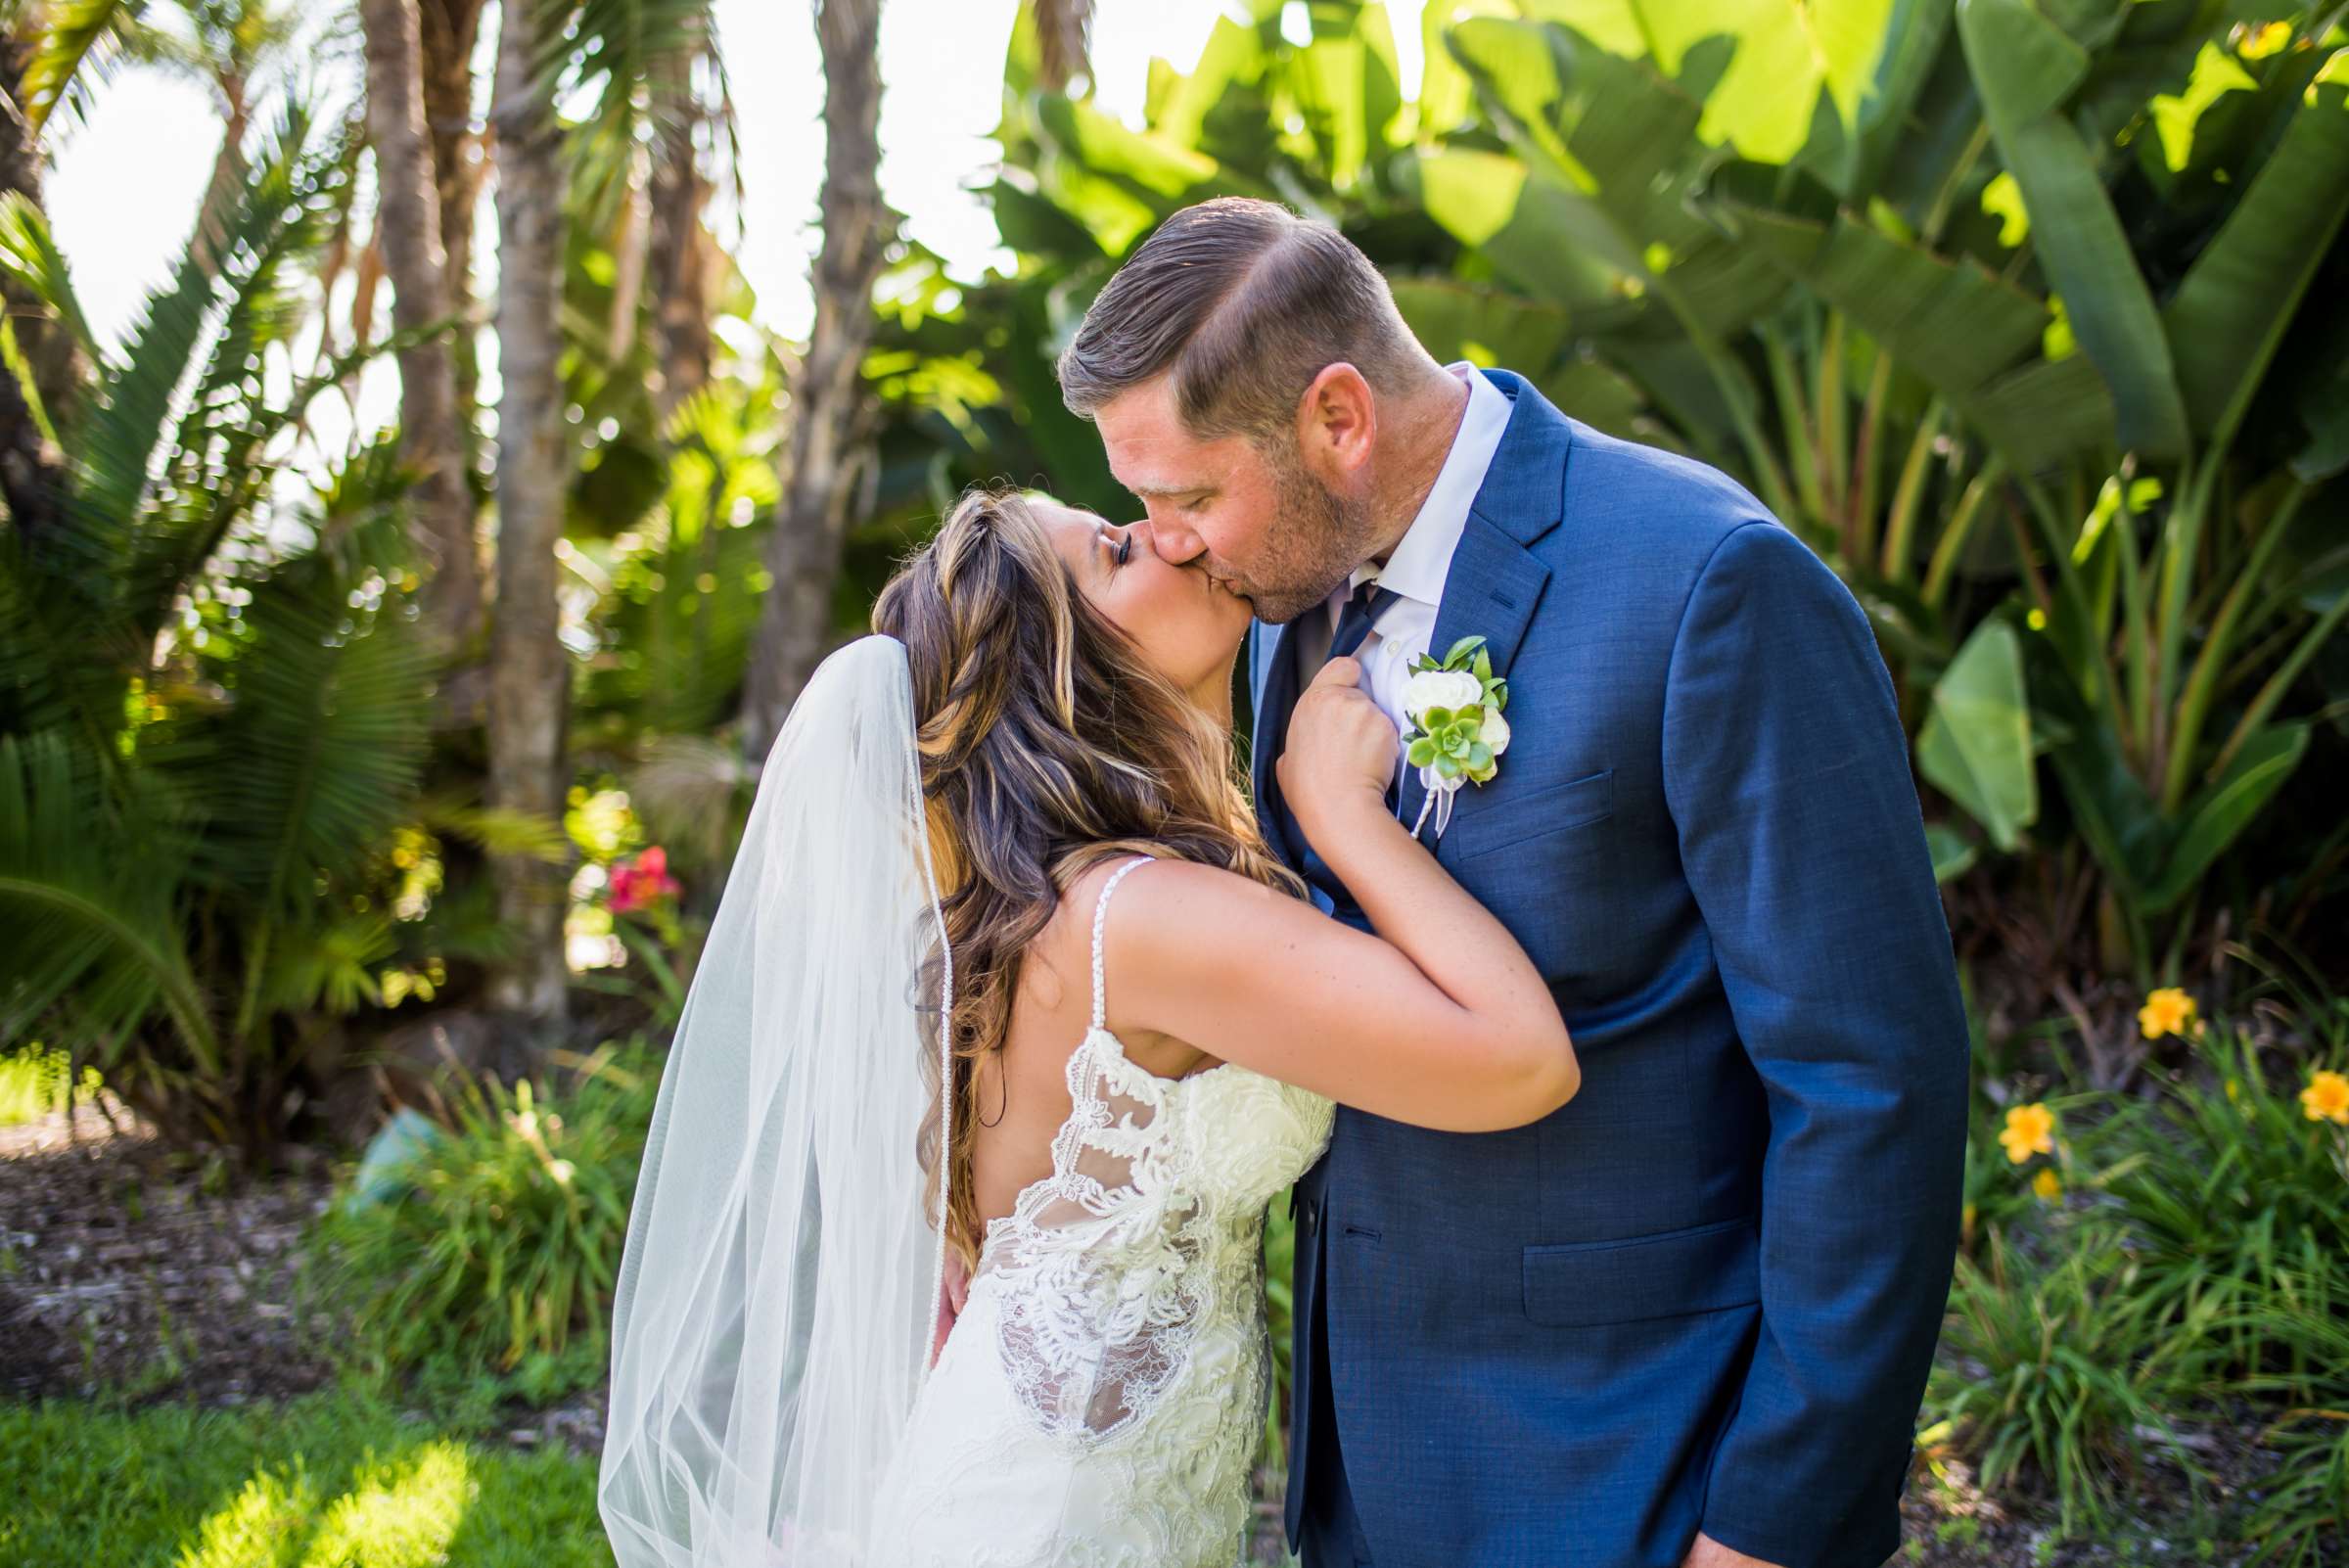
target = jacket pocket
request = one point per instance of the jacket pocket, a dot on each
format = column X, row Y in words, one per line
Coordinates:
column 1552, row 808
column 1702, row 1269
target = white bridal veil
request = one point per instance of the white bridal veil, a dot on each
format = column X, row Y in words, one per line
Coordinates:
column 779, row 1281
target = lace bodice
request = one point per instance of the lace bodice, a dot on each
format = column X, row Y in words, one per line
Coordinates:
column 1104, row 1390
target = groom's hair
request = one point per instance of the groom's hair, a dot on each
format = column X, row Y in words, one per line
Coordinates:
column 1245, row 302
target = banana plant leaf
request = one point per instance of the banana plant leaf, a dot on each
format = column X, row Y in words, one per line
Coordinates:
column 2217, row 816
column 2229, row 314
column 2026, row 67
column 1975, row 745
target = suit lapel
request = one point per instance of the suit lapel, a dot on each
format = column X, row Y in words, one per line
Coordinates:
column 1494, row 583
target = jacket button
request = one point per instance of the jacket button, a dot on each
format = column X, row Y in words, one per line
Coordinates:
column 1311, row 1214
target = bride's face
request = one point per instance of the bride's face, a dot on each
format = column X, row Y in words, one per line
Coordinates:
column 1185, row 623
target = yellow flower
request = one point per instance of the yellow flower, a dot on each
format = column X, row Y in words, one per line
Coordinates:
column 2047, row 1183
column 2326, row 1098
column 2030, row 1130
column 2168, row 1011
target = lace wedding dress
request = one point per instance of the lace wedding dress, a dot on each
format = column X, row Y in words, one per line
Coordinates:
column 1103, row 1391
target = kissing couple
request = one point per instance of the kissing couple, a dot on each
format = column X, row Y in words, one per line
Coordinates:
column 1573, row 958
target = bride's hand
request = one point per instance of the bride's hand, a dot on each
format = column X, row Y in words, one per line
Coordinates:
column 1341, row 750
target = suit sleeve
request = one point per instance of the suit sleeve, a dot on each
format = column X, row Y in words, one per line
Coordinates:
column 1787, row 775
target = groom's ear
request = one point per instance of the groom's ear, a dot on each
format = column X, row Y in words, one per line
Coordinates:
column 1337, row 424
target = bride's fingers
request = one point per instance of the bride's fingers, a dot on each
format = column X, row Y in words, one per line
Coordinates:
column 1338, row 672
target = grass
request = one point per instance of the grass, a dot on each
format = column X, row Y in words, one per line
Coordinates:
column 334, row 1480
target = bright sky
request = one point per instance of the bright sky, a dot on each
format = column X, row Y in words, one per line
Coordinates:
column 124, row 189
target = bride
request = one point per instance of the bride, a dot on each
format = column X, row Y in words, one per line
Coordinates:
column 925, row 1046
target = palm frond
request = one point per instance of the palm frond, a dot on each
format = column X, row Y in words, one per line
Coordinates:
column 327, row 964
column 30, row 259
column 60, row 665
column 320, row 751
column 130, row 440
column 88, row 894
column 636, row 63
column 495, row 829
column 84, row 40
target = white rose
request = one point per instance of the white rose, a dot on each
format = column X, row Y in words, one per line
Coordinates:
column 1440, row 688
column 1496, row 731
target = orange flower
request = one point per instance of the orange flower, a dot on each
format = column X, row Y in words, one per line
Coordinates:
column 2168, row 1011
column 2047, row 1184
column 2326, row 1098
column 2030, row 1130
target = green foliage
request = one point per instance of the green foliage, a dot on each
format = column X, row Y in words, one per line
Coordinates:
column 212, row 701
column 683, row 583
column 505, row 1243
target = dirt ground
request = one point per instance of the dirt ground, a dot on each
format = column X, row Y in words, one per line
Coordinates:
column 124, row 1269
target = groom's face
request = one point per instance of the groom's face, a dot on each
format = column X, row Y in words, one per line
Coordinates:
column 1254, row 517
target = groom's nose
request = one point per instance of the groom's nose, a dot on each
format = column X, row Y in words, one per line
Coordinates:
column 1175, row 543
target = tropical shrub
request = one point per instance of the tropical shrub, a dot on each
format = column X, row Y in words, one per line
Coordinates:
column 498, row 1250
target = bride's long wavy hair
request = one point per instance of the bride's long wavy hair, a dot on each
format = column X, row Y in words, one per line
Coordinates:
column 1048, row 745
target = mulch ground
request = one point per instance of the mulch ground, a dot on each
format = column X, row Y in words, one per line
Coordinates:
column 119, row 1271
column 125, row 1272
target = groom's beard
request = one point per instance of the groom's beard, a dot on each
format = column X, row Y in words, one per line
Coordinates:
column 1318, row 537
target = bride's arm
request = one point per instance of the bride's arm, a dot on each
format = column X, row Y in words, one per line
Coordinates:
column 1440, row 1020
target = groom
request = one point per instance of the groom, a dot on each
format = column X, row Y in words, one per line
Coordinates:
column 1687, row 1319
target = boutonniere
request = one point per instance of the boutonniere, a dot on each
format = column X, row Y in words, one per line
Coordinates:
column 1457, row 734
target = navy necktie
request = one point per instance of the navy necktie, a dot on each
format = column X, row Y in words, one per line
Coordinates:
column 1362, row 610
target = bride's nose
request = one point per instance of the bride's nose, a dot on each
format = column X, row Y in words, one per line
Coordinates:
column 1145, row 536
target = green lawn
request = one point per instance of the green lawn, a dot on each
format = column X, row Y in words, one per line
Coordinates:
column 334, row 1480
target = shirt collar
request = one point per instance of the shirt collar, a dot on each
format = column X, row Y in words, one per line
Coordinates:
column 1422, row 559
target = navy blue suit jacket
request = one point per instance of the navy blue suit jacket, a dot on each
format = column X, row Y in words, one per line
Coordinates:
column 1704, row 1293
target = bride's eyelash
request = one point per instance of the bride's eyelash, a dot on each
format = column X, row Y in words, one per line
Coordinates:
column 1125, row 549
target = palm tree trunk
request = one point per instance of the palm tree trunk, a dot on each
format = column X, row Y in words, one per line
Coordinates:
column 803, row 554
column 448, row 31
column 409, row 226
column 530, row 676
column 1064, row 28
column 59, row 369
column 678, row 247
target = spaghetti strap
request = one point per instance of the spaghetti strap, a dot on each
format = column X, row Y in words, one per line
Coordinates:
column 1100, row 923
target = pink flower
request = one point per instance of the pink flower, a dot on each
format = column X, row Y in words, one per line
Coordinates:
column 642, row 880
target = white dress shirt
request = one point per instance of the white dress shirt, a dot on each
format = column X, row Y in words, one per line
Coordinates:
column 1422, row 559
